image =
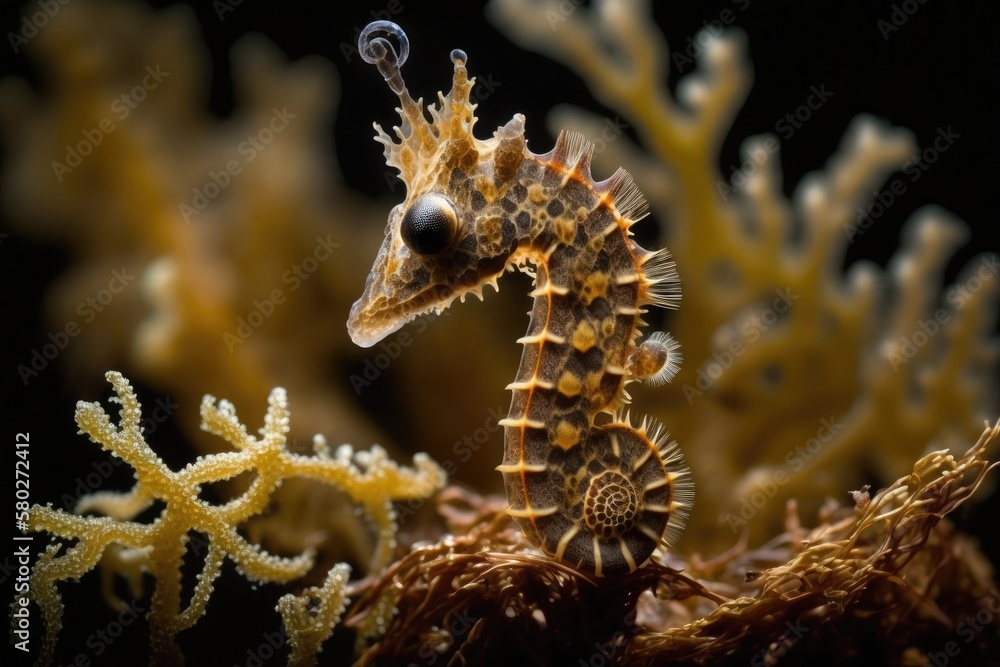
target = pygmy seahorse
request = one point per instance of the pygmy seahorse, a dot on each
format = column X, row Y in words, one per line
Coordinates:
column 599, row 496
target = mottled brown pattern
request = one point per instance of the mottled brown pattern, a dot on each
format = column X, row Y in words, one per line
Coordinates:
column 598, row 494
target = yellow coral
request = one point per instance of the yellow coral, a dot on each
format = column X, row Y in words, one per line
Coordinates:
column 369, row 478
column 308, row 629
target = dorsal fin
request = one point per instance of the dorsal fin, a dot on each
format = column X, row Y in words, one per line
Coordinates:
column 581, row 168
column 629, row 201
column 570, row 147
column 661, row 285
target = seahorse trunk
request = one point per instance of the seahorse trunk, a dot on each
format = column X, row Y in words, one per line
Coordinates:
column 597, row 496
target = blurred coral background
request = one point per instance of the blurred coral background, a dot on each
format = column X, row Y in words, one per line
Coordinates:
column 172, row 269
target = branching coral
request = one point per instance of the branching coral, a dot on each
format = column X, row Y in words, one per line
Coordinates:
column 484, row 597
column 766, row 301
column 369, row 478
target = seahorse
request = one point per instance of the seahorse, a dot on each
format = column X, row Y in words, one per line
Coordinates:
column 583, row 483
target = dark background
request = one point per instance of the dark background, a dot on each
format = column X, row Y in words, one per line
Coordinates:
column 938, row 70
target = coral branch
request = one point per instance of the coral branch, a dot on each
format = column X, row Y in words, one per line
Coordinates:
column 308, row 628
column 370, row 478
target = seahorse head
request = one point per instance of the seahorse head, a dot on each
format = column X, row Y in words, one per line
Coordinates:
column 449, row 237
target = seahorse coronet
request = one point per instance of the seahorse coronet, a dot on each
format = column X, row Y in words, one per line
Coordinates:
column 601, row 495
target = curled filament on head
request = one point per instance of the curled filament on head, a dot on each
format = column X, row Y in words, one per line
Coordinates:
column 379, row 51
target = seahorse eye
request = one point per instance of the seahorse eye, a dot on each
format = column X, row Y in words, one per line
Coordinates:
column 429, row 225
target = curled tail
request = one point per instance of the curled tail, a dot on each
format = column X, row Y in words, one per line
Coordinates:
column 606, row 505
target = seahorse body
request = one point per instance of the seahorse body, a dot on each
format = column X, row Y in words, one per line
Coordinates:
column 598, row 493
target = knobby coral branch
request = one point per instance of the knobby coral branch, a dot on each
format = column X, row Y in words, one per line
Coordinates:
column 308, row 629
column 369, row 478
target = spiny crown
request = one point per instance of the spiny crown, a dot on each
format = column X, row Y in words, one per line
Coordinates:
column 428, row 150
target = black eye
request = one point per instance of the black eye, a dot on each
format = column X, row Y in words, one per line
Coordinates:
column 429, row 225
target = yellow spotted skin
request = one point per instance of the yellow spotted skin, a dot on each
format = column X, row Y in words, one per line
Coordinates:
column 598, row 497
column 599, row 494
